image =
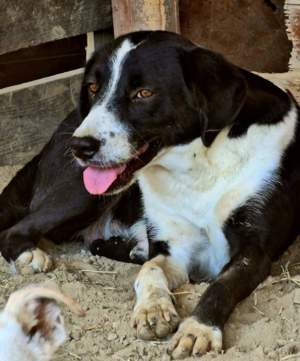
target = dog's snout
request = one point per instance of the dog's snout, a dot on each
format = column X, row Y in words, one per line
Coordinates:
column 84, row 148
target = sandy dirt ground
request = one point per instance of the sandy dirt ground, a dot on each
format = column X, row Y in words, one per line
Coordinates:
column 263, row 327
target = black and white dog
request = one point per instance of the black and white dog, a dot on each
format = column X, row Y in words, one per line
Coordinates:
column 196, row 157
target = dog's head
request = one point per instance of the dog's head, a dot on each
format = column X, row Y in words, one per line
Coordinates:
column 31, row 325
column 150, row 90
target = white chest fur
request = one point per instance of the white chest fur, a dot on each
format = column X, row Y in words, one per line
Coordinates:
column 190, row 191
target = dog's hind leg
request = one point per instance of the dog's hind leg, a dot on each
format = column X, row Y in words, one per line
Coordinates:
column 45, row 199
column 19, row 243
column 62, row 213
column 16, row 196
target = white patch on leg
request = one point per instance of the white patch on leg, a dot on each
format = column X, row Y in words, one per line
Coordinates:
column 139, row 232
column 154, row 313
column 35, row 260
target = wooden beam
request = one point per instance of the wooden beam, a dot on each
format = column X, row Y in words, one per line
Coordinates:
column 134, row 15
column 251, row 33
column 30, row 84
column 30, row 114
column 90, row 47
column 32, row 22
column 292, row 10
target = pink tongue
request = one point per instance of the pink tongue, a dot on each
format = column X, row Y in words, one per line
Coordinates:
column 97, row 180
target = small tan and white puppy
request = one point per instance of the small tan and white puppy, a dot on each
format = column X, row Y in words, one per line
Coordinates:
column 31, row 324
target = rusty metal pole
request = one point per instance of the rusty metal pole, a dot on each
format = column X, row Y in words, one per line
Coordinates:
column 134, row 15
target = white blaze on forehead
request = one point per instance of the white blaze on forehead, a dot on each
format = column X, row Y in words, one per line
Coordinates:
column 89, row 125
column 102, row 121
column 116, row 69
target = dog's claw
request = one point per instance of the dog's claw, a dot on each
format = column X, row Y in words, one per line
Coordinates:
column 155, row 318
column 194, row 339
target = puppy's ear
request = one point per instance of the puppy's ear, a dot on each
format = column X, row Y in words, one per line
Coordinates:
column 218, row 88
column 35, row 309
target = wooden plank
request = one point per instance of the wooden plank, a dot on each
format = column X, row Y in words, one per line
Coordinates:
column 30, row 115
column 6, row 174
column 250, row 33
column 42, row 61
column 66, row 75
column 31, row 22
column 292, row 10
column 134, row 15
column 90, row 46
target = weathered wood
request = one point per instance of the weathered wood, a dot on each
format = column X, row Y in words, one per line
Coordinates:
column 250, row 33
column 42, row 61
column 6, row 174
column 25, row 23
column 292, row 9
column 134, row 15
column 29, row 117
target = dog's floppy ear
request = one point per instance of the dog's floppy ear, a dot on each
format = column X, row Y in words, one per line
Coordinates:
column 35, row 309
column 227, row 95
column 218, row 88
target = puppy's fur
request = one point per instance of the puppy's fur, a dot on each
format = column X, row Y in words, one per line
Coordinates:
column 210, row 190
column 31, row 325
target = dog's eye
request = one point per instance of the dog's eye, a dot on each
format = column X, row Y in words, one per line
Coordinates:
column 144, row 93
column 93, row 88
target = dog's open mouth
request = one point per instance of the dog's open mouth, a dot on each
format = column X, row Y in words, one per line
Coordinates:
column 99, row 180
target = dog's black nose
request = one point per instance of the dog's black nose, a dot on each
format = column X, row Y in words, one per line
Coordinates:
column 84, row 148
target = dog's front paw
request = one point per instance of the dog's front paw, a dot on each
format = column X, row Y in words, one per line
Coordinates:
column 35, row 260
column 194, row 338
column 156, row 317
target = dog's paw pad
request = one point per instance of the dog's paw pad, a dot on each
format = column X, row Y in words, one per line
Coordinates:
column 155, row 318
column 35, row 260
column 194, row 339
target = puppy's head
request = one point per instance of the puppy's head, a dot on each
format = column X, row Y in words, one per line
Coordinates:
column 31, row 324
column 146, row 91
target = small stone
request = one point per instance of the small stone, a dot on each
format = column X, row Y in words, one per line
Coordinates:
column 27, row 270
column 296, row 278
column 272, row 355
column 76, row 334
column 165, row 357
column 297, row 296
column 281, row 343
column 111, row 337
